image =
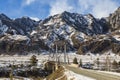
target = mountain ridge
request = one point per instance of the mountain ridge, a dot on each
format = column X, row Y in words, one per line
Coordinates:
column 81, row 32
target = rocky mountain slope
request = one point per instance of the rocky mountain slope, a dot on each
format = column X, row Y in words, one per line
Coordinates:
column 114, row 20
column 82, row 33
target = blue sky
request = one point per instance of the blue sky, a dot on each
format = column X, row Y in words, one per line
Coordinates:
column 44, row 8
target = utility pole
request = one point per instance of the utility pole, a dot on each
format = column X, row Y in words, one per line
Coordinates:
column 65, row 52
column 108, row 62
column 56, row 50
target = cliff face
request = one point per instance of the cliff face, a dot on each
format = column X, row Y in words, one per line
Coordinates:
column 114, row 20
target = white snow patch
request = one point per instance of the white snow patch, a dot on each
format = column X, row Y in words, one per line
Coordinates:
column 55, row 20
column 89, row 20
column 44, row 37
column 35, row 18
column 82, row 35
column 33, row 32
column 18, row 37
column 48, row 23
column 71, row 19
column 69, row 29
column 14, row 31
column 117, row 37
column 21, row 31
column 3, row 28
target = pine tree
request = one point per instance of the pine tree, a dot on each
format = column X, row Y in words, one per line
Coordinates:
column 75, row 61
column 119, row 63
column 115, row 64
column 33, row 60
column 98, row 62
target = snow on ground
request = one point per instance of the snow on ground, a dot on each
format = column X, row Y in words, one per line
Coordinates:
column 73, row 76
column 15, row 79
column 117, row 37
column 44, row 57
column 4, row 79
column 113, row 73
column 91, row 57
column 15, row 37
column 18, row 59
column 18, row 37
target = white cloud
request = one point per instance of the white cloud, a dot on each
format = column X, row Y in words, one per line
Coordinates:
column 28, row 2
column 59, row 7
column 35, row 18
column 99, row 8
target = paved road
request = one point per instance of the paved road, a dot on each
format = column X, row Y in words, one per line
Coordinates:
column 93, row 74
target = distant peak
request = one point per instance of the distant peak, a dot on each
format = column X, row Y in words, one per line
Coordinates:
column 3, row 16
column 90, row 16
column 118, row 10
column 25, row 17
column 65, row 12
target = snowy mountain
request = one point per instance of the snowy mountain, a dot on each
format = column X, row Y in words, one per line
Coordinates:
column 73, row 27
column 15, row 33
column 22, row 26
column 83, row 33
